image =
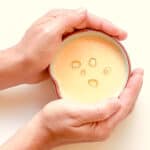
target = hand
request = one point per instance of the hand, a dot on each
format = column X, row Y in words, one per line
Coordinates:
column 68, row 123
column 42, row 39
column 62, row 123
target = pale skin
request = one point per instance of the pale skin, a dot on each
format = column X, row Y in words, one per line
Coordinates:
column 59, row 122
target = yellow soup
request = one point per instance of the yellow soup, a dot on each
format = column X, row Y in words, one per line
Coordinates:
column 89, row 67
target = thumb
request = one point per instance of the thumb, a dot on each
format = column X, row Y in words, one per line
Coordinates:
column 98, row 112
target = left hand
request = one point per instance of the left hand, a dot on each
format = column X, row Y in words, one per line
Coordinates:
column 42, row 39
column 66, row 123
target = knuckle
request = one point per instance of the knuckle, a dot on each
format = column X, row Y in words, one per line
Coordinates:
column 130, row 111
column 46, row 111
column 58, row 12
column 47, row 32
column 43, row 30
column 126, row 110
column 108, row 126
column 105, row 136
column 102, row 136
column 45, row 115
column 105, row 133
column 54, row 12
column 101, row 113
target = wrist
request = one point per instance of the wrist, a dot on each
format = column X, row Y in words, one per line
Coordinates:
column 32, row 69
column 34, row 136
column 40, row 133
column 25, row 63
column 12, row 68
column 17, row 65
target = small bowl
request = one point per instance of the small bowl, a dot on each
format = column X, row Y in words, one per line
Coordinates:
column 97, row 78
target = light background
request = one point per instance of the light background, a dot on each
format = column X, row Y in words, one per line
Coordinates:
column 19, row 104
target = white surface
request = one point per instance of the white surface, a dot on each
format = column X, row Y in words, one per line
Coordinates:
column 19, row 104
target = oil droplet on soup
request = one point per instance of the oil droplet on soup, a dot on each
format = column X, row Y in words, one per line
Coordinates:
column 83, row 72
column 107, row 70
column 92, row 62
column 93, row 83
column 76, row 64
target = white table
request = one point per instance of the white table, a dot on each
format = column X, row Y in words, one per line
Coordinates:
column 19, row 104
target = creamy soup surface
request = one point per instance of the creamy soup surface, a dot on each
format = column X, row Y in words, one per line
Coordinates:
column 89, row 67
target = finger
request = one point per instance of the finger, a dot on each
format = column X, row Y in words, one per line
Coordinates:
column 131, row 92
column 98, row 112
column 81, row 19
column 106, row 26
column 127, row 98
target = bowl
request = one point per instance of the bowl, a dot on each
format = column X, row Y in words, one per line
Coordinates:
column 89, row 67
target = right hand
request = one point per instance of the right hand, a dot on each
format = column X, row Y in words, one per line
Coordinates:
column 69, row 123
column 42, row 39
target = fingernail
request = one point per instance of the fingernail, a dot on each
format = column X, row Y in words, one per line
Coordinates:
column 123, row 34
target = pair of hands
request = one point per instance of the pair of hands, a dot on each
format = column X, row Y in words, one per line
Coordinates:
column 65, row 123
